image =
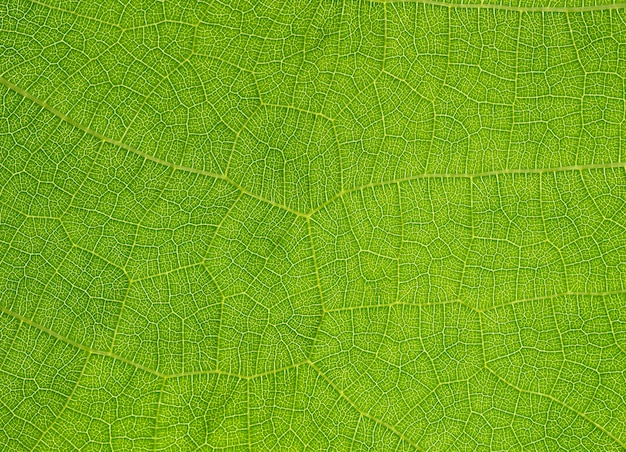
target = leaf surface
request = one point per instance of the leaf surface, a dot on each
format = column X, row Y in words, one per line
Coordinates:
column 313, row 225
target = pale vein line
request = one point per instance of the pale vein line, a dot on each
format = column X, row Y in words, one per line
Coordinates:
column 528, row 9
column 225, row 373
column 142, row 154
column 78, row 345
column 556, row 295
column 485, row 174
column 473, row 308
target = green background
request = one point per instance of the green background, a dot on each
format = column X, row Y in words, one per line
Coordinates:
column 312, row 225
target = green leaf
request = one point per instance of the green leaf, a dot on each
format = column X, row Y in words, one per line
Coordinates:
column 313, row 225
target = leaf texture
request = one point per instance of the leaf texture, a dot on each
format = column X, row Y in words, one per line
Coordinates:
column 313, row 225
